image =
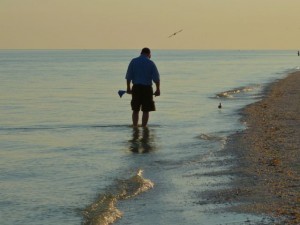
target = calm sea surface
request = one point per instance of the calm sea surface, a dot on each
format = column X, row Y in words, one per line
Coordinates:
column 68, row 154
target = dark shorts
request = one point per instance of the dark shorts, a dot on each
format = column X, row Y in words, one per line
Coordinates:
column 142, row 98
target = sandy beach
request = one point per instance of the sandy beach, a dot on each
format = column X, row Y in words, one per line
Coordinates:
column 266, row 155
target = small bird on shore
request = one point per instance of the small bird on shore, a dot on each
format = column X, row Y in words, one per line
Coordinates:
column 220, row 106
column 175, row 33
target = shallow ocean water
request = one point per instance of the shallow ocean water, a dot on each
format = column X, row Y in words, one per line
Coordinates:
column 66, row 142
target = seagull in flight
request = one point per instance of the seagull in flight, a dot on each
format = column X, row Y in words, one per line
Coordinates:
column 175, row 33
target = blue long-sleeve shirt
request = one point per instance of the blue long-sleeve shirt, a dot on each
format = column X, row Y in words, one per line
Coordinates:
column 142, row 70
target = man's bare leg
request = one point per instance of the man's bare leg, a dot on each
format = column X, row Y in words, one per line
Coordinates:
column 145, row 119
column 135, row 118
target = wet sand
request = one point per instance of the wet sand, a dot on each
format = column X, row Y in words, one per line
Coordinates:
column 266, row 157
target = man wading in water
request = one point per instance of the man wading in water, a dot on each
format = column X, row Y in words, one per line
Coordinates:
column 141, row 72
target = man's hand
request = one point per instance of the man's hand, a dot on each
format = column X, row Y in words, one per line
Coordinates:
column 157, row 93
column 129, row 91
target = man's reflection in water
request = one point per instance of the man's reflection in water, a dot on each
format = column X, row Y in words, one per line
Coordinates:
column 142, row 140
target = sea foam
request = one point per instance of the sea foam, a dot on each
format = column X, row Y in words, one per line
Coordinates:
column 104, row 211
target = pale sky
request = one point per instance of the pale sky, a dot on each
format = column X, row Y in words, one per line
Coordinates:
column 133, row 24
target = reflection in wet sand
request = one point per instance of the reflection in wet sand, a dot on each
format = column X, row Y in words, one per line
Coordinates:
column 142, row 140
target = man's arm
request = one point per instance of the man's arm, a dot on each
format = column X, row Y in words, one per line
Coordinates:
column 156, row 80
column 157, row 92
column 128, row 77
column 128, row 86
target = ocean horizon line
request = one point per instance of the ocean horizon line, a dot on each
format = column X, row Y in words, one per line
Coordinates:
column 128, row 49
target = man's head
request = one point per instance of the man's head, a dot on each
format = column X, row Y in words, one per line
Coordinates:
column 146, row 52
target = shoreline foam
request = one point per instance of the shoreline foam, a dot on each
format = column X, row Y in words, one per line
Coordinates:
column 103, row 210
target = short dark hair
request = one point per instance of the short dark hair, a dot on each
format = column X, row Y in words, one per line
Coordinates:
column 145, row 51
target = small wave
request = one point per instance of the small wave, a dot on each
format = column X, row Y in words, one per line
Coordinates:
column 233, row 92
column 214, row 138
column 211, row 137
column 134, row 186
column 71, row 126
column 103, row 211
column 59, row 127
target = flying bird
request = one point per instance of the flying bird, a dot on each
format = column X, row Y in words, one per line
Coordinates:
column 175, row 33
